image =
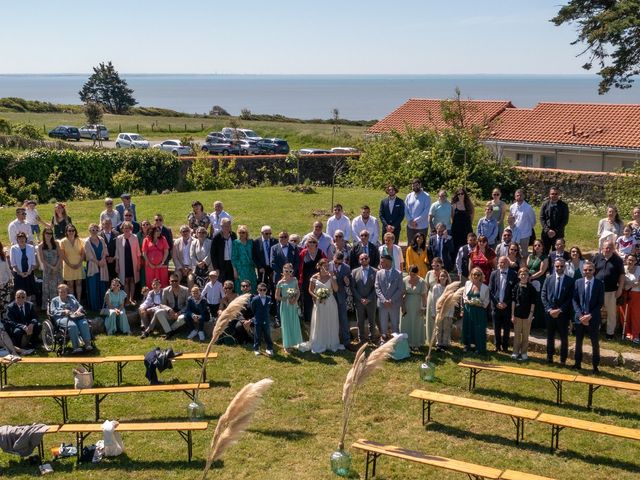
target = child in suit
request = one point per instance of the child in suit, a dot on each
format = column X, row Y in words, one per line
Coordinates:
column 260, row 305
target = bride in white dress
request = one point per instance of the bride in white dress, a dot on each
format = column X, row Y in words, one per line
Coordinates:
column 324, row 318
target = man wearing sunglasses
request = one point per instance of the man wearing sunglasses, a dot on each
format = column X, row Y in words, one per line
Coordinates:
column 588, row 299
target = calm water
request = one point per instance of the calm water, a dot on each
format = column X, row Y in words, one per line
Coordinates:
column 314, row 96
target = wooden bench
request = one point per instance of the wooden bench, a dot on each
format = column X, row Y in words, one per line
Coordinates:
column 61, row 395
column 555, row 378
column 559, row 423
column 517, row 415
column 595, row 383
column 89, row 362
column 472, row 470
column 185, row 429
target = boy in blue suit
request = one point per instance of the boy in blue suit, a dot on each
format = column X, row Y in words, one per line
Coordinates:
column 260, row 305
column 588, row 299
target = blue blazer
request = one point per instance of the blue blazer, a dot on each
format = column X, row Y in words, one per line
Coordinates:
column 260, row 311
column 563, row 301
column 596, row 300
column 279, row 259
column 494, row 288
column 393, row 218
column 201, row 308
column 448, row 251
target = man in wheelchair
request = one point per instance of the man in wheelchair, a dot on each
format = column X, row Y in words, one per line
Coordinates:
column 67, row 312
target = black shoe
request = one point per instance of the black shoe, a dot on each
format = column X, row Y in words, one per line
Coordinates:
column 549, row 360
column 144, row 335
column 169, row 335
column 596, row 371
column 576, row 367
column 609, row 337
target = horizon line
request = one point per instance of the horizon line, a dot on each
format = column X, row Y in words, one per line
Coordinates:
column 313, row 74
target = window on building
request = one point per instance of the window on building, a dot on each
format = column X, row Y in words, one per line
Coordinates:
column 525, row 159
column 628, row 164
column 548, row 161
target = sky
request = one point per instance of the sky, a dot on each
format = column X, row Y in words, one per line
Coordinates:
column 287, row 37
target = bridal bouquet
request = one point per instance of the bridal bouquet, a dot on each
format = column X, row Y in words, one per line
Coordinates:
column 322, row 294
column 291, row 293
column 476, row 302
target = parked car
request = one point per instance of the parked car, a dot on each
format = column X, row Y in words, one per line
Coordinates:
column 220, row 147
column 344, row 150
column 240, row 134
column 94, row 132
column 216, row 137
column 313, row 151
column 248, row 148
column 273, row 146
column 174, row 147
column 131, row 140
column 65, row 133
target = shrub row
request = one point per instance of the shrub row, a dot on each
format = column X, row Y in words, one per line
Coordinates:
column 63, row 174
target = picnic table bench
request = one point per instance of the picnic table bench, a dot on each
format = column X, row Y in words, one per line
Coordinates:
column 89, row 362
column 61, row 395
column 555, row 378
column 517, row 415
column 472, row 470
column 596, row 382
column 185, row 429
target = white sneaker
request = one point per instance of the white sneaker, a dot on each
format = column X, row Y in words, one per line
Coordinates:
column 514, row 356
column 192, row 334
column 256, row 352
column 269, row 353
column 524, row 357
column 201, row 336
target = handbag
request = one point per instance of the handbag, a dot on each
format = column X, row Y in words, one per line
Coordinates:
column 82, row 378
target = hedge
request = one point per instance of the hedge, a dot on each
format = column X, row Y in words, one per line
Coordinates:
column 58, row 173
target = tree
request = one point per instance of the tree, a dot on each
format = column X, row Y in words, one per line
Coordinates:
column 93, row 111
column 106, row 88
column 611, row 31
column 218, row 111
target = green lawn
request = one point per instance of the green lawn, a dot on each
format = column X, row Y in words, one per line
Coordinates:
column 298, row 134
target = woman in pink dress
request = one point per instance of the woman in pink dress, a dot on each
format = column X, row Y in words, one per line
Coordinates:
column 155, row 251
column 483, row 257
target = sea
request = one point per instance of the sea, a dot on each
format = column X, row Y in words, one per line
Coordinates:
column 357, row 97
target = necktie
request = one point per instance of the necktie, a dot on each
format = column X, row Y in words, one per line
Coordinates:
column 366, row 249
column 266, row 251
column 24, row 262
column 587, row 295
column 365, row 271
column 387, row 275
column 22, row 310
column 503, row 282
column 558, row 285
column 440, row 247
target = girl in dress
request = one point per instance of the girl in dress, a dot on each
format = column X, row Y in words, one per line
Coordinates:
column 95, row 250
column 483, row 257
column 287, row 293
column 324, row 333
column 242, row 259
column 60, row 220
column 414, row 305
column 474, row 320
column 431, row 280
column 115, row 300
column 443, row 338
column 51, row 262
column 499, row 209
column 155, row 250
column 461, row 218
column 72, row 250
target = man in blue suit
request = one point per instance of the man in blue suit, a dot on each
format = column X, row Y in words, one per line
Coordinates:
column 391, row 213
column 260, row 306
column 441, row 245
column 501, row 285
column 557, row 297
column 588, row 299
column 282, row 253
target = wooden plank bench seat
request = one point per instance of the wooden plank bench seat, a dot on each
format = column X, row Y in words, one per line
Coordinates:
column 558, row 423
column 517, row 415
column 89, row 362
column 596, row 382
column 472, row 470
column 555, row 378
column 185, row 429
column 61, row 395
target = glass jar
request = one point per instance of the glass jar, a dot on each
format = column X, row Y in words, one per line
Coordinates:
column 428, row 371
column 341, row 462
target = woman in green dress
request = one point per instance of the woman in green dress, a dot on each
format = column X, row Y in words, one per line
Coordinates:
column 287, row 294
column 242, row 259
column 414, row 305
column 431, row 280
column 474, row 320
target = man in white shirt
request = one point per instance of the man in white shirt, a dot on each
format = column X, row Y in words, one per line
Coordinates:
column 365, row 221
column 216, row 217
column 416, row 209
column 182, row 256
column 20, row 225
column 339, row 222
column 525, row 220
column 440, row 212
column 324, row 240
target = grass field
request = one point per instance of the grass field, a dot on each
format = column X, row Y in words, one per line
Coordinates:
column 297, row 426
column 298, row 134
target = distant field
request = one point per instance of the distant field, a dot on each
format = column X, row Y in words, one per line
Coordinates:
column 299, row 135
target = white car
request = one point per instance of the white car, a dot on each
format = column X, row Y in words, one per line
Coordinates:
column 344, row 150
column 175, row 147
column 131, row 140
column 241, row 134
column 94, row 132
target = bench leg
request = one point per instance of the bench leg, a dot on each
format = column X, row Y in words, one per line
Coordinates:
column 119, row 368
column 3, row 375
column 371, row 460
column 473, row 373
column 426, row 407
column 519, row 423
column 555, row 436
column 62, row 401
column 80, row 438
column 592, row 390
column 558, row 385
column 204, row 372
column 98, row 401
column 188, row 437
column 41, row 451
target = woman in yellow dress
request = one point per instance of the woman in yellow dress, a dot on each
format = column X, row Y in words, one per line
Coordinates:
column 417, row 254
column 72, row 249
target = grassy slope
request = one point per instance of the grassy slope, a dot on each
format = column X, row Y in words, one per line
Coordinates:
column 297, row 426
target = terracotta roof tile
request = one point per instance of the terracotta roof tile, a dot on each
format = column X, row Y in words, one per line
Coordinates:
column 420, row 112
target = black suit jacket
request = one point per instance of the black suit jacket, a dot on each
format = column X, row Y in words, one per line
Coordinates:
column 111, row 244
column 374, row 255
column 448, row 251
column 393, row 218
column 279, row 259
column 554, row 218
column 563, row 301
column 166, row 233
column 596, row 301
column 494, row 288
column 15, row 318
column 217, row 250
column 257, row 252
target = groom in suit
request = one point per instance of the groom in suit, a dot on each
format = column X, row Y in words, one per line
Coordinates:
column 391, row 213
column 557, row 298
column 389, row 291
column 501, row 285
column 363, row 286
column 588, row 299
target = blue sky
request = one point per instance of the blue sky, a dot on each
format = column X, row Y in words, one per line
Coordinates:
column 287, row 37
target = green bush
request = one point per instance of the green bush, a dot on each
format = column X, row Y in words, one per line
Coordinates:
column 203, row 176
column 19, row 188
column 6, row 199
column 624, row 190
column 26, row 130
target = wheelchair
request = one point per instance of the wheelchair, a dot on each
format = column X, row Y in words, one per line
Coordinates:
column 56, row 338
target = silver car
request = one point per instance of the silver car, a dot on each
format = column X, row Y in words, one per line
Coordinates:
column 174, row 147
column 131, row 140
